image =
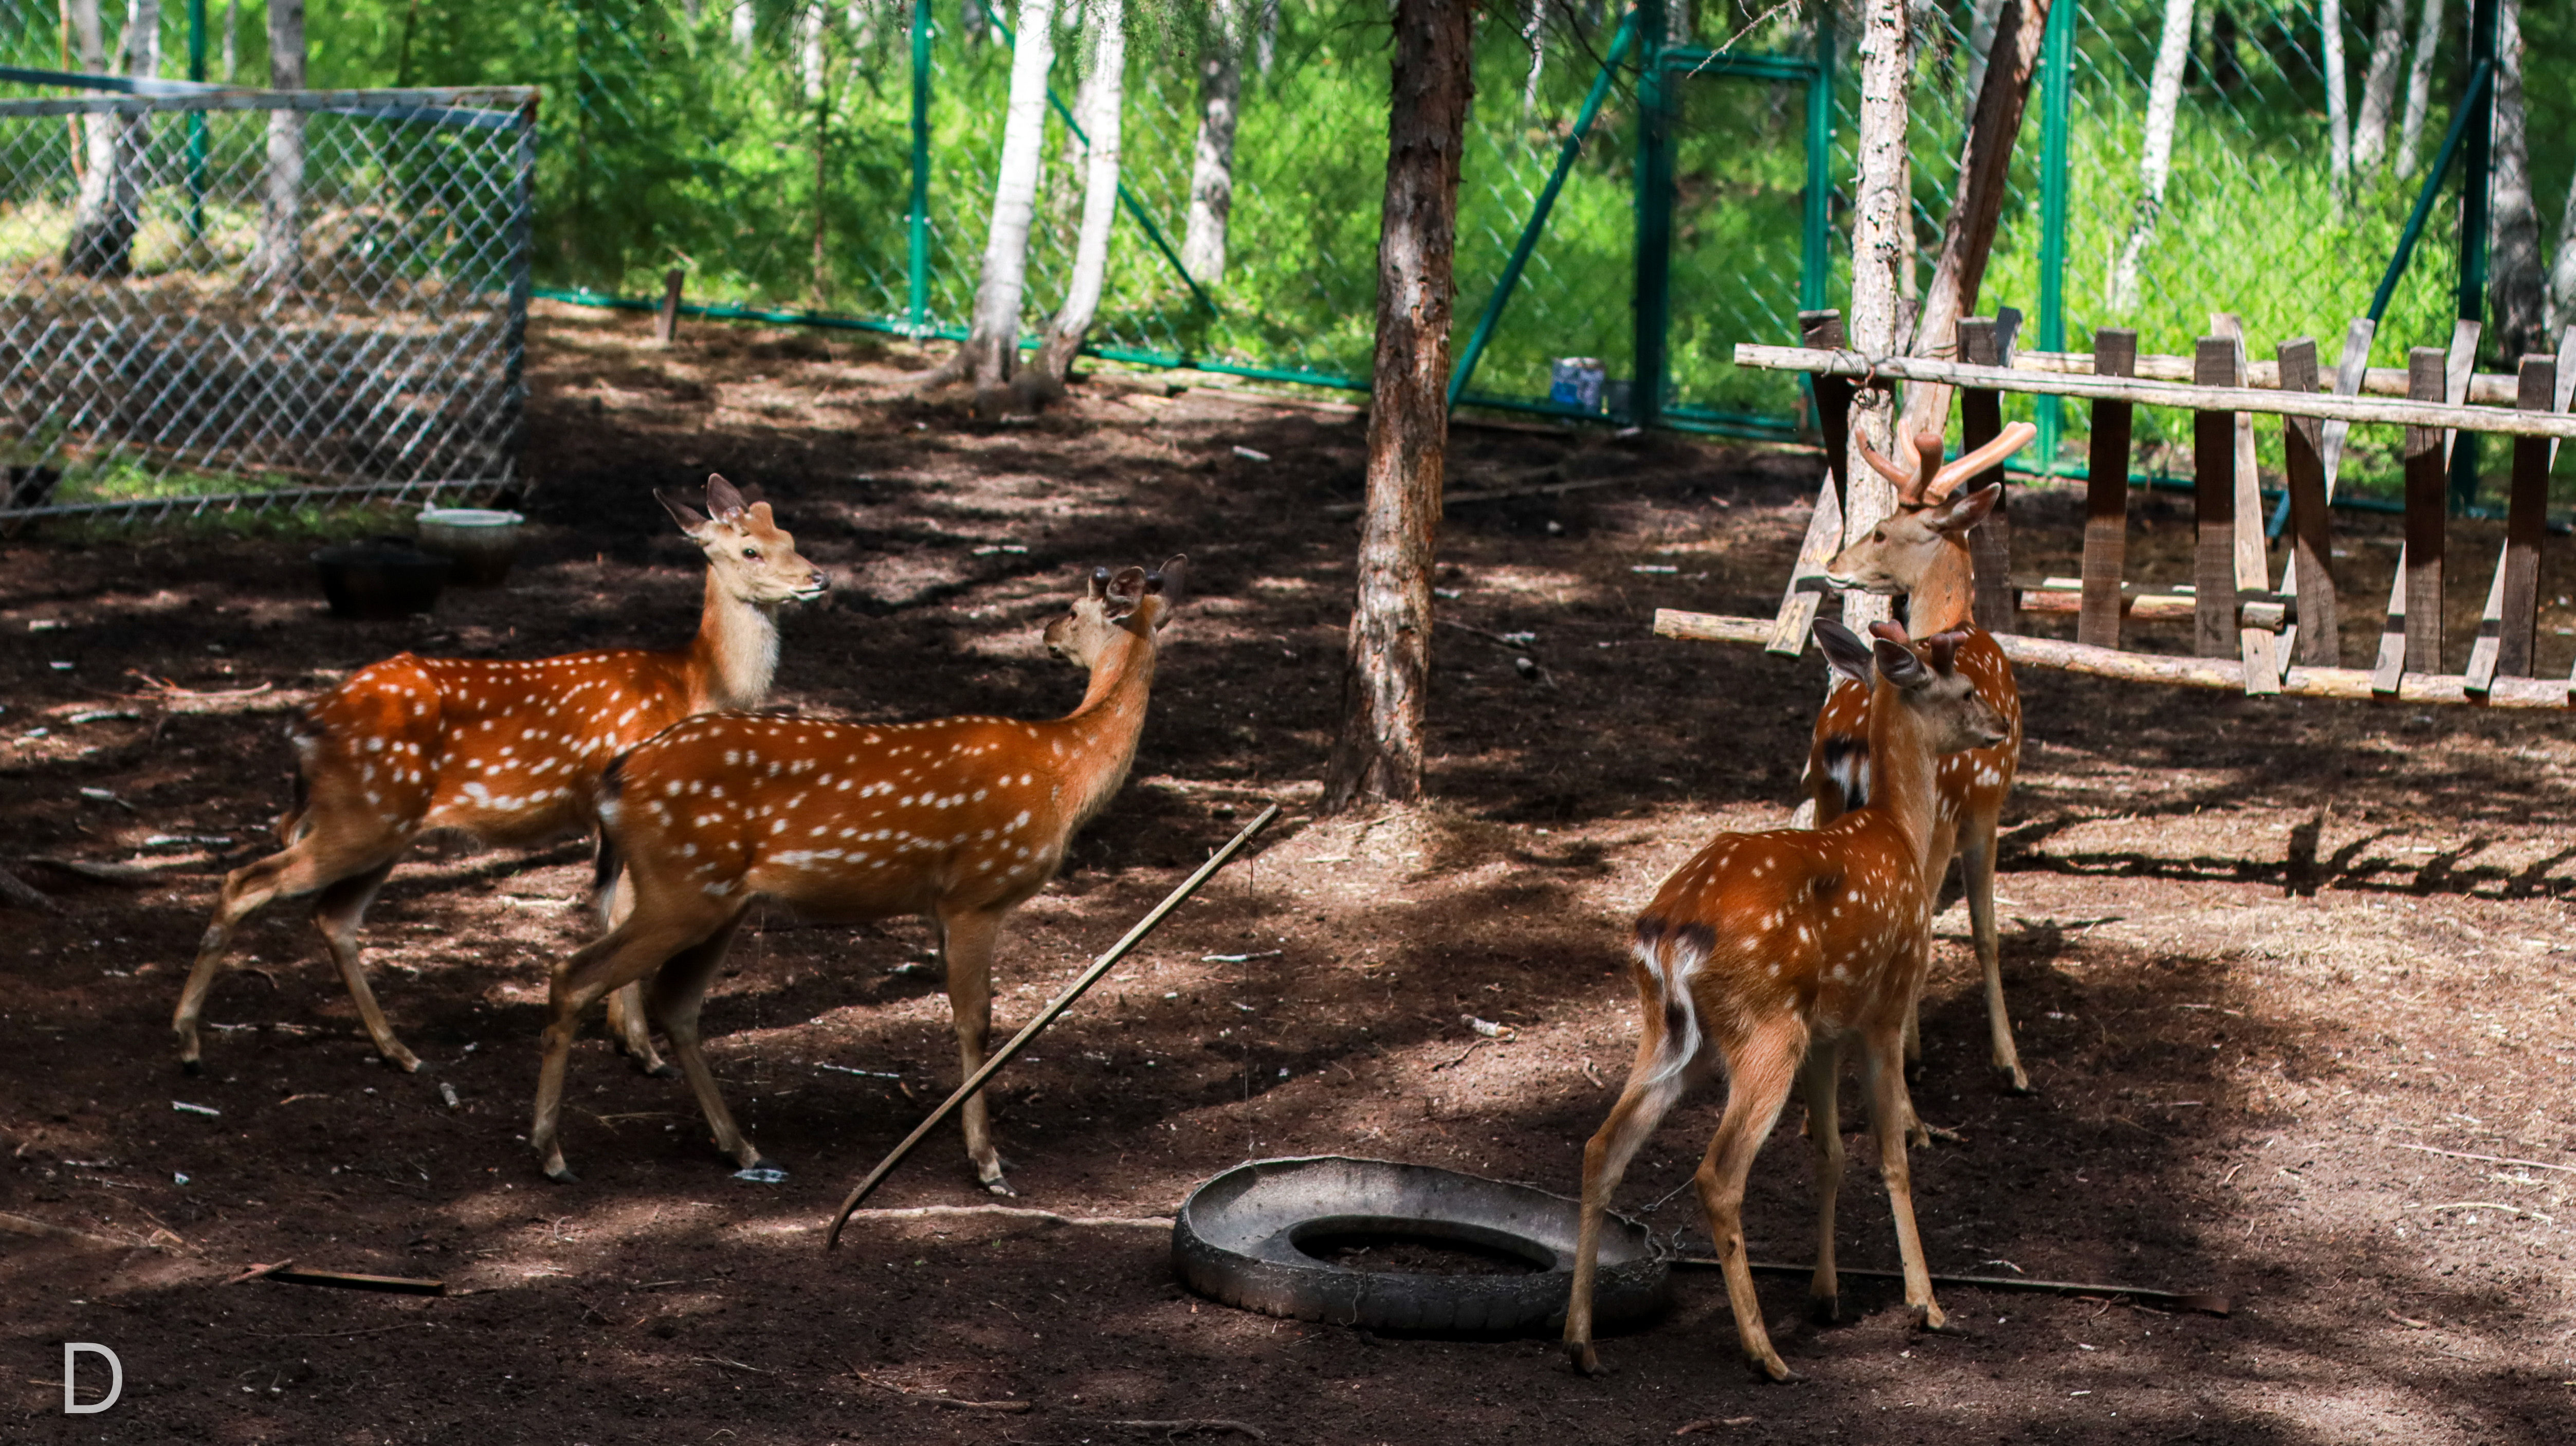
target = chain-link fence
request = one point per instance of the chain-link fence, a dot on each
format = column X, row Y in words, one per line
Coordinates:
column 831, row 161
column 246, row 300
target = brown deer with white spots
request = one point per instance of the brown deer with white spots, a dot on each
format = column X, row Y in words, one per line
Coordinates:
column 1920, row 551
column 959, row 820
column 1779, row 949
column 505, row 752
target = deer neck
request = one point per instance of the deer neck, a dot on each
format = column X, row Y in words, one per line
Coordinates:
column 1944, row 597
column 735, row 654
column 1902, row 770
column 1100, row 736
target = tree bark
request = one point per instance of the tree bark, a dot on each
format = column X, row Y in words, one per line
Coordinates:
column 110, row 208
column 2513, row 269
column 1104, row 91
column 1882, row 241
column 1534, row 35
column 1265, row 38
column 1981, row 44
column 2155, row 167
column 1968, row 238
column 809, row 50
column 232, row 40
column 277, row 260
column 742, row 22
column 2419, row 86
column 2562, row 270
column 992, row 340
column 2379, row 86
column 1378, row 755
column 2338, row 114
column 1212, row 164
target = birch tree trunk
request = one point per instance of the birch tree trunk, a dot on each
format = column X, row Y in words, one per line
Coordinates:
column 2338, row 116
column 277, row 260
column 1534, row 35
column 1212, row 165
column 742, row 21
column 809, row 50
column 1105, row 90
column 2155, row 167
column 1882, row 241
column 2379, row 86
column 1968, row 238
column 2419, row 86
column 2562, row 270
column 111, row 199
column 2513, row 269
column 992, row 341
column 1378, row 755
column 96, row 159
column 232, row 40
column 1265, row 39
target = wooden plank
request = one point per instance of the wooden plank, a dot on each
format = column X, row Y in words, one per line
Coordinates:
column 2388, row 672
column 2213, row 462
column 2219, row 673
column 2350, row 375
column 2256, row 646
column 2315, row 640
column 666, row 324
column 2491, row 389
column 2106, row 494
column 2497, row 421
column 2525, row 528
column 2427, row 501
column 1833, row 396
column 1788, row 636
column 2566, row 381
column 2457, row 367
column 343, row 1280
column 1981, row 420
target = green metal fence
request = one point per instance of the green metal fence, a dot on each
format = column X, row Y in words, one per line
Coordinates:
column 830, row 161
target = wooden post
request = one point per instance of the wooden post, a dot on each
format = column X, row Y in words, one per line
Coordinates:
column 2259, row 647
column 2106, row 494
column 2524, row 526
column 2427, row 496
column 1981, row 420
column 666, row 325
column 2213, row 462
column 2318, row 643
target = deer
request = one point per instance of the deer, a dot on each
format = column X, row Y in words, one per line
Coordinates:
column 1781, row 949
column 1921, row 551
column 960, row 820
column 504, row 752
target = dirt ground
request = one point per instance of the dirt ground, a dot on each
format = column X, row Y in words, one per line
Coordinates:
column 2292, row 979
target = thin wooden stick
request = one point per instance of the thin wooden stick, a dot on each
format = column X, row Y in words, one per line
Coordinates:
column 2489, row 1159
column 1014, row 1212
column 929, row 1399
column 1047, row 1016
column 2208, row 1303
column 1175, row 1428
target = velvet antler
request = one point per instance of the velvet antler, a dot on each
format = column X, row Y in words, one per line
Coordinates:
column 1929, row 481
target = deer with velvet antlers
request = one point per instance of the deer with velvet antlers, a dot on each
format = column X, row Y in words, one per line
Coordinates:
column 504, row 752
column 1772, row 952
column 960, row 820
column 1920, row 551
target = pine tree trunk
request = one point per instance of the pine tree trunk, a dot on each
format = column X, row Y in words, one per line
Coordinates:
column 1882, row 241
column 1968, row 238
column 2419, row 87
column 277, row 261
column 1379, row 753
column 1105, row 91
column 1212, row 164
column 2379, row 86
column 2513, row 268
column 111, row 197
column 992, row 340
column 2155, row 167
column 2338, row 115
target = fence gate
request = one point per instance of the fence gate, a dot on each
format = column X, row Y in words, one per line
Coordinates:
column 216, row 299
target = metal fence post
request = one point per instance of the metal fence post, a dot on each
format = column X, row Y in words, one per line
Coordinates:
column 196, row 124
column 2057, row 69
column 1653, row 299
column 2476, row 174
column 917, row 307
column 1815, row 232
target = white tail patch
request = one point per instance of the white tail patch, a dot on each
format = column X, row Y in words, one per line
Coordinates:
column 1676, row 957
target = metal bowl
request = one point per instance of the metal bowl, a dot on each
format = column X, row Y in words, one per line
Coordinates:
column 482, row 542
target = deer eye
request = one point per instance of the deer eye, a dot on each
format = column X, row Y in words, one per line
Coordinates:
column 752, row 552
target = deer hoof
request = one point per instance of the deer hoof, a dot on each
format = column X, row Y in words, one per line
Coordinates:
column 403, row 1059
column 2018, row 1083
column 1000, row 1186
column 1770, row 1367
column 562, row 1175
column 192, row 1067
column 1585, row 1359
column 659, row 1069
column 1825, row 1310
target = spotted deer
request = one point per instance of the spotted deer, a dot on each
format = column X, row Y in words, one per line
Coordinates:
column 960, row 820
column 1780, row 949
column 505, row 752
column 1921, row 552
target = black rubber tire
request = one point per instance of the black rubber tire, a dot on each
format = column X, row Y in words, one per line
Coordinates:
column 1236, row 1241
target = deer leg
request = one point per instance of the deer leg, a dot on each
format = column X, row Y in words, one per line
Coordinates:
column 337, row 914
column 287, row 873
column 966, row 949
column 613, row 898
column 678, row 990
column 1977, row 865
column 1759, row 1071
column 628, row 953
column 1642, row 1105
column 1820, row 1081
column 1883, row 1066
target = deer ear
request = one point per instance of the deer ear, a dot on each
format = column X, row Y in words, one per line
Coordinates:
column 1099, row 582
column 1893, row 632
column 1844, row 652
column 683, row 514
column 724, row 504
column 1126, row 591
column 1955, row 517
column 1170, row 580
column 1897, row 664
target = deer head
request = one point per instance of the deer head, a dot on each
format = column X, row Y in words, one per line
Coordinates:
column 1129, row 601
column 1926, row 678
column 749, row 555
